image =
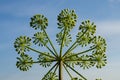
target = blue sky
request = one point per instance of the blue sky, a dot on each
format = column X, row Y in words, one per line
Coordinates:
column 14, row 21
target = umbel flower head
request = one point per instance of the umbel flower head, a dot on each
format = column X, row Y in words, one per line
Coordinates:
column 24, row 62
column 67, row 19
column 21, row 43
column 39, row 22
column 66, row 55
column 40, row 38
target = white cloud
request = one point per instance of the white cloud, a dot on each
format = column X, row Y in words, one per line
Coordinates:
column 108, row 27
column 114, row 0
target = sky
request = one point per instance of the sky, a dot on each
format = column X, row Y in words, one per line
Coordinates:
column 14, row 21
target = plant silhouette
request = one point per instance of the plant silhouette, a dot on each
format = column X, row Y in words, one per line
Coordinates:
column 94, row 55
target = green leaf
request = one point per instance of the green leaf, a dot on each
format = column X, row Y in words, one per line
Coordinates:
column 39, row 22
column 45, row 61
column 50, row 76
column 24, row 62
column 21, row 43
column 40, row 38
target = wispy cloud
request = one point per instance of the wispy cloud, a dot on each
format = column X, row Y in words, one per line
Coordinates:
column 109, row 27
column 114, row 1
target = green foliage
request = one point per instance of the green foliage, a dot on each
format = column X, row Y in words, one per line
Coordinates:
column 50, row 58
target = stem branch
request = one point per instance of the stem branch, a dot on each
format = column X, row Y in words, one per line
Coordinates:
column 39, row 52
column 75, row 71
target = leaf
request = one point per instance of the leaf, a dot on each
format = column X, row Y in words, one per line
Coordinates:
column 39, row 21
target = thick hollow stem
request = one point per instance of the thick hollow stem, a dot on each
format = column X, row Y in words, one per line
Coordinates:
column 60, row 70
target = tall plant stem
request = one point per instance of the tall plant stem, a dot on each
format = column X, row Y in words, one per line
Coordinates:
column 60, row 70
column 51, row 43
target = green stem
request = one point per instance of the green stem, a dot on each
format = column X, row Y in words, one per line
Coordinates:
column 75, row 71
column 73, row 45
column 67, row 71
column 69, row 49
column 50, row 50
column 60, row 70
column 80, row 53
column 51, row 43
column 80, row 60
column 41, row 61
column 55, row 71
column 50, row 70
column 62, row 43
column 39, row 52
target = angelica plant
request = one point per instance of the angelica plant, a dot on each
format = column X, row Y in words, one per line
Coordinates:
column 93, row 56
